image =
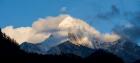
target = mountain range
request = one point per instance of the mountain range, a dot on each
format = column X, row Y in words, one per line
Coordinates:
column 78, row 38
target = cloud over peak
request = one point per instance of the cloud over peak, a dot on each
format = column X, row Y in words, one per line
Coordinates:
column 43, row 27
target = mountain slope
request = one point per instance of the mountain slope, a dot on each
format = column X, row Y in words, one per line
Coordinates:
column 31, row 48
column 63, row 48
column 70, row 35
column 127, row 50
column 70, row 48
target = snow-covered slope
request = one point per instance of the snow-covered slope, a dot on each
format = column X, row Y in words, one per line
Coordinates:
column 127, row 50
column 69, row 35
column 67, row 28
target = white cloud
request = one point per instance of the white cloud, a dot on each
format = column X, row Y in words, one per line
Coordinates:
column 58, row 26
column 19, row 34
column 110, row 37
column 24, row 34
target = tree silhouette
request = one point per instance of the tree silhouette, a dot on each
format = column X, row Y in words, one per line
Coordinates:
column 100, row 56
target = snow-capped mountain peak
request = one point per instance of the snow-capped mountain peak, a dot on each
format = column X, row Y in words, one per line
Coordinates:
column 68, row 25
column 68, row 33
column 66, row 22
column 67, row 28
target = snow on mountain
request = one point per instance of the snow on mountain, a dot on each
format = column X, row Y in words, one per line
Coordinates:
column 70, row 35
column 71, row 45
column 125, row 49
column 65, row 25
column 67, row 28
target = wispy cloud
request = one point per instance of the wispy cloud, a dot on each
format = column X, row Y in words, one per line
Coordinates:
column 131, row 29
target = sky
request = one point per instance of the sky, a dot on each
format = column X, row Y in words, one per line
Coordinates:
column 24, row 12
column 103, row 15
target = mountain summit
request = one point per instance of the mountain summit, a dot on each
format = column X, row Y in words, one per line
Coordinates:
column 65, row 28
column 68, row 35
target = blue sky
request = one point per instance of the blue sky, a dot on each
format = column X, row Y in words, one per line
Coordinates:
column 102, row 14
